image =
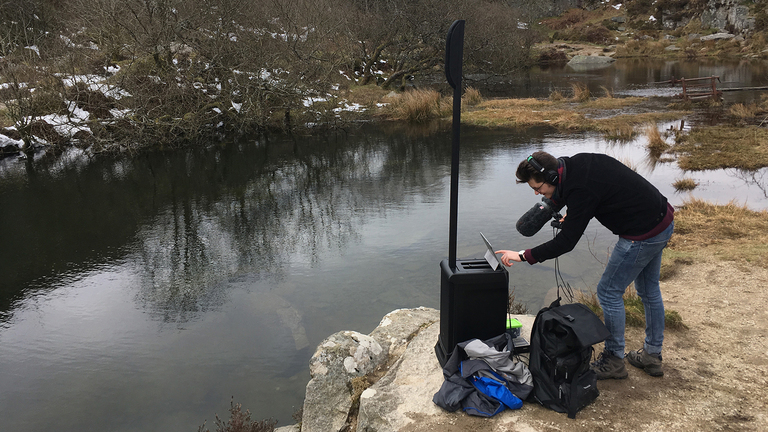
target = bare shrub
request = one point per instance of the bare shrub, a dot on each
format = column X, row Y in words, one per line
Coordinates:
column 515, row 307
column 240, row 421
column 24, row 101
column 551, row 55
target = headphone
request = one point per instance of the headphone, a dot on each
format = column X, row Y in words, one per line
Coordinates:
column 550, row 176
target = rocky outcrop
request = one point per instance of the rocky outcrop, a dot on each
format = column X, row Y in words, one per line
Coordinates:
column 727, row 16
column 347, row 363
column 381, row 382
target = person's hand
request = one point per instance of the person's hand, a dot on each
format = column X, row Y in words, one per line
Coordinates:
column 508, row 256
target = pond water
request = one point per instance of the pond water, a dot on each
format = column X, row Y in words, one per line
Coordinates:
column 144, row 293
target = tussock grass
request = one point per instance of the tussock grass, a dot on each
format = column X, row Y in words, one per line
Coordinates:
column 717, row 147
column 655, row 142
column 472, row 97
column 607, row 91
column 418, row 106
column 685, row 184
column 620, row 131
column 743, row 111
column 580, row 92
column 736, row 232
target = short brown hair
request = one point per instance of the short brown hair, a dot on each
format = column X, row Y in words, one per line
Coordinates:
column 526, row 171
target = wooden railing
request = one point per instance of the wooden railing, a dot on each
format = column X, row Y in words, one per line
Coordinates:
column 697, row 88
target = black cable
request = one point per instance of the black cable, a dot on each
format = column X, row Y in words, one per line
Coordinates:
column 561, row 283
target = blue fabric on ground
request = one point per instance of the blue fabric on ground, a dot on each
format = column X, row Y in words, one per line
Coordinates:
column 498, row 391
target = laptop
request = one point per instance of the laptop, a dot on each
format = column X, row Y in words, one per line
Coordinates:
column 490, row 255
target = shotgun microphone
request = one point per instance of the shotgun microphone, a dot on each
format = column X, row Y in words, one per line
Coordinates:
column 534, row 219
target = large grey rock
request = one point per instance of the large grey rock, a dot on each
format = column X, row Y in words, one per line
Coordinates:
column 406, row 390
column 582, row 63
column 582, row 59
column 340, row 359
column 398, row 327
column 341, row 364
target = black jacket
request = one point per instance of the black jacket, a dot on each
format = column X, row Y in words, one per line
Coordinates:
column 599, row 186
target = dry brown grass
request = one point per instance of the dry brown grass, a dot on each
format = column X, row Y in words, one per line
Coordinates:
column 723, row 147
column 418, row 106
column 655, row 142
column 611, row 103
column 618, row 130
column 580, row 92
column 685, row 184
column 640, row 48
column 472, row 97
column 743, row 111
column 526, row 113
column 565, row 116
column 738, row 233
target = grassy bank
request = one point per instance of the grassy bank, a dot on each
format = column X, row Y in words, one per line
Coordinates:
column 731, row 232
column 725, row 146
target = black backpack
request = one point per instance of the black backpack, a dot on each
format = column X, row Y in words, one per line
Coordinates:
column 561, row 351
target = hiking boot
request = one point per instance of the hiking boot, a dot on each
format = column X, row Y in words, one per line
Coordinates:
column 650, row 363
column 608, row 366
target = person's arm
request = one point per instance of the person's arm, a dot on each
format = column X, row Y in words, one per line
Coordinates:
column 579, row 214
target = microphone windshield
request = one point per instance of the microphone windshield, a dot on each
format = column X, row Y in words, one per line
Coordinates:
column 534, row 219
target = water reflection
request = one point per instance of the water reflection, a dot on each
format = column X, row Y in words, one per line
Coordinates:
column 758, row 178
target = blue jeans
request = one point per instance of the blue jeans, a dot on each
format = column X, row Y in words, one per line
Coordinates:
column 638, row 261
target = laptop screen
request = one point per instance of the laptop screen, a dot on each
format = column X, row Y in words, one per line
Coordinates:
column 490, row 256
